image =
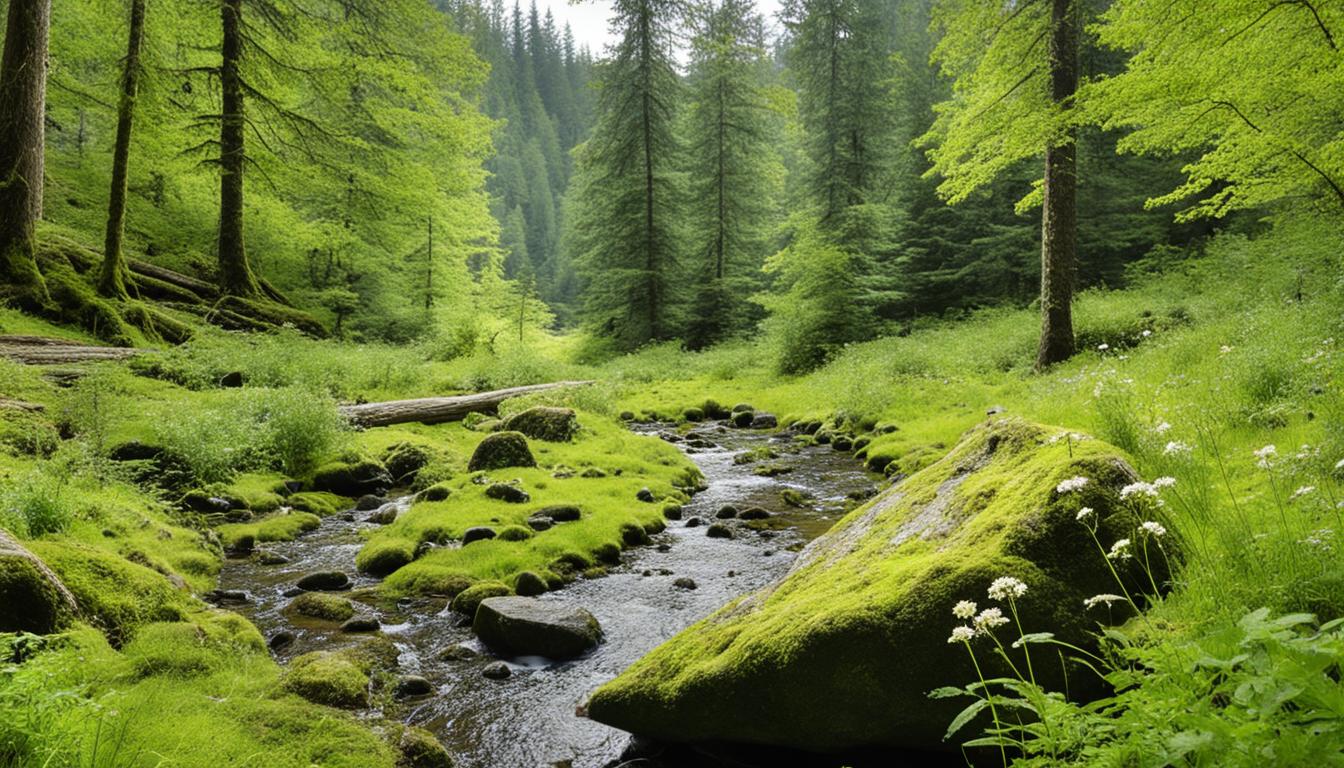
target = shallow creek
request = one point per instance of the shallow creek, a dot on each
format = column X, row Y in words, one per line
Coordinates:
column 528, row 720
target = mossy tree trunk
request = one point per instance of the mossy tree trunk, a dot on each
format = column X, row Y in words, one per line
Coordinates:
column 1059, row 220
column 115, row 274
column 234, row 272
column 23, row 81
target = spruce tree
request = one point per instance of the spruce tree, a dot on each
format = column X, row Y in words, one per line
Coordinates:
column 23, row 77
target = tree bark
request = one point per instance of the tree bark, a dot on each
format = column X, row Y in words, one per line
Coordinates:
column 23, row 86
column 1059, row 218
column 434, row 410
column 115, row 273
column 235, row 275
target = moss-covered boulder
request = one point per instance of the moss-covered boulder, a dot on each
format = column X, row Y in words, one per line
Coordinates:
column 381, row 558
column 405, row 460
column 525, row 626
column 555, row 425
column 328, row 678
column 469, row 599
column 32, row 597
column 352, row 479
column 417, row 748
column 501, row 450
column 317, row 605
column 842, row 652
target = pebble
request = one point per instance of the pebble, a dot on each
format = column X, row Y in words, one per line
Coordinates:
column 497, row 671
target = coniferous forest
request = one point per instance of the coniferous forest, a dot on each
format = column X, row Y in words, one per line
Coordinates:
column 431, row 383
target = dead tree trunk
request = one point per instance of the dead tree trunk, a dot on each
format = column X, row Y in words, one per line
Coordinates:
column 23, row 86
column 434, row 410
column 235, row 275
column 1059, row 219
column 115, row 274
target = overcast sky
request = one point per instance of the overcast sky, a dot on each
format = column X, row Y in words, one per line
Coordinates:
column 588, row 19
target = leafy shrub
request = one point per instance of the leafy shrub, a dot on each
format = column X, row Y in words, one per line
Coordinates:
column 35, row 506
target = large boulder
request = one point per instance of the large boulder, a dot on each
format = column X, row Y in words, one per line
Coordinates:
column 353, row 479
column 525, row 626
column 501, row 450
column 842, row 651
column 32, row 597
column 556, row 425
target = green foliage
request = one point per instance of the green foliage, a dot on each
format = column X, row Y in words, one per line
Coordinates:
column 35, row 505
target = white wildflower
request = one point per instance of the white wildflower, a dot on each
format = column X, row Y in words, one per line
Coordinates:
column 1103, row 599
column 1006, row 587
column 964, row 609
column 1223, row 350
column 1084, row 513
column 1265, row 456
column 1154, row 529
column 1164, row 482
column 1339, row 464
column 1103, row 347
column 1072, row 484
column 1302, row 491
column 1162, row 428
column 1147, row 489
column 989, row 619
column 961, row 635
column 1120, row 550
column 1177, row 448
column 1146, row 333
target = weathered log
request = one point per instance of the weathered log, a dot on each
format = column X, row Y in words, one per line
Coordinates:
column 435, row 410
column 18, row 340
column 9, row 404
column 54, row 354
column 198, row 287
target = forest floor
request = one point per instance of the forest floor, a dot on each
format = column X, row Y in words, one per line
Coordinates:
column 133, row 478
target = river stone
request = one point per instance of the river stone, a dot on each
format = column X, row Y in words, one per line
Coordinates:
column 280, row 640
column 361, row 624
column 501, row 450
column 560, row 513
column 726, row 512
column 540, row 523
column 556, row 425
column 368, row 502
column 685, row 583
column 645, row 495
column 497, row 670
column 694, row 522
column 479, row 533
column 525, row 626
column 386, row 515
column 529, row 584
column 753, row 513
column 719, row 531
column 405, row 460
column 324, row 581
column 743, row 418
column 841, row 652
column 271, row 558
column 507, row 493
column 352, row 478
column 672, row 511
column 417, row 748
column 32, row 597
column 412, row 685
column 764, row 421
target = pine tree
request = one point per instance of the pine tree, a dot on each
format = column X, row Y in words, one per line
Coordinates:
column 628, row 248
column 23, row 75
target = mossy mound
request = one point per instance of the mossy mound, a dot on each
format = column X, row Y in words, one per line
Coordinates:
column 32, row 597
column 384, row 557
column 469, row 599
column 328, row 678
column 501, row 450
column 554, row 425
column 417, row 748
column 405, row 460
column 317, row 605
column 278, row 527
column 352, row 479
column 842, row 652
column 318, row 503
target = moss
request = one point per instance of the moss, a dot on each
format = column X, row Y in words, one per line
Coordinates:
column 470, row 599
column 436, row 492
column 501, row 451
column 556, row 425
column 319, row 605
column 114, row 594
column 280, row 527
column 404, row 461
column 418, row 748
column 384, row 557
column 204, row 644
column 328, row 678
column 318, row 503
column 29, row 600
column 514, row 533
column 352, row 478
column 861, row 621
column 693, row 415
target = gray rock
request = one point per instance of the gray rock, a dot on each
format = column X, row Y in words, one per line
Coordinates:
column 560, row 513
column 694, row 522
column 719, row 531
column 386, row 515
column 685, row 583
column 529, row 584
column 282, row 639
column 764, row 421
column 645, row 495
column 509, row 493
column 458, row 653
column 726, row 512
column 271, row 558
column 540, row 523
column 525, row 626
column 362, row 624
column 324, row 581
column 368, row 502
column 501, row 450
column 753, row 513
column 410, row 686
column 479, row 533
column 497, row 670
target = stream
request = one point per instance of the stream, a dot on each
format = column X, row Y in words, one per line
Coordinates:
column 527, row 720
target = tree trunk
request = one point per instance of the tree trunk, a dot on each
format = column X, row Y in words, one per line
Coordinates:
column 435, row 410
column 115, row 272
column 23, row 86
column 235, row 275
column 1059, row 219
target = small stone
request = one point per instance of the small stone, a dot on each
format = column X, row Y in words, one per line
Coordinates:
column 226, row 597
column 560, row 513
column 664, row 547
column 479, row 533
column 282, row 639
column 497, row 671
column 719, row 531
column 743, row 419
column 324, row 581
column 411, row 686
column 726, row 512
column 842, row 443
column 694, row 522
column 362, row 624
column 507, row 493
column 368, row 502
column 753, row 513
column 271, row 558
column 645, row 495
column 540, row 523
column 764, row 421
column 457, row 653
column 592, row 473
column 292, row 592
column 529, row 584
column 685, row 583
column 387, row 515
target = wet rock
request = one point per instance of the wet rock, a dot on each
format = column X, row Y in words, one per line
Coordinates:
column 556, row 425
column 672, row 511
column 764, row 421
column 318, row 605
column 501, row 450
column 405, row 460
column 664, row 547
column 281, row 640
column 529, row 584
column 436, row 492
column 743, row 419
column 271, row 558
column 386, row 515
column 694, row 522
column 719, row 531
column 352, row 479
column 540, row 523
column 469, row 600
column 842, row 443
column 753, row 513
column 204, row 503
column 644, row 495
column 417, row 748
column 726, row 512
column 743, row 408
column 507, row 493
column 497, row 670
column 793, row 497
column 685, row 583
column 560, row 513
column 32, row 597
column 479, row 533
column 226, row 597
column 368, row 502
column 328, row 678
column 634, row 535
column 524, row 626
column 880, row 586
column 693, row 414
column 381, row 558
column 410, row 686
column 292, row 592
column 324, row 581
column 458, row 652
column 362, row 624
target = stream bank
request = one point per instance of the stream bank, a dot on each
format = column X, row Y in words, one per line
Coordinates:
column 528, row 719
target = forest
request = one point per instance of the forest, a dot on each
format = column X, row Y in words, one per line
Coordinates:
column 822, row 383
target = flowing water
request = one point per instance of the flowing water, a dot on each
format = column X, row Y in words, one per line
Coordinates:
column 528, row 720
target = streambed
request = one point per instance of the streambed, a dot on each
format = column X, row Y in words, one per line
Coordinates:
column 528, row 719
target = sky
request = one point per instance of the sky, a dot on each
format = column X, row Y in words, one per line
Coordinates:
column 588, row 19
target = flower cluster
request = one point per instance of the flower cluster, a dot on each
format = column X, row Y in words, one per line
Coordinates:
column 1084, row 514
column 1154, row 529
column 1102, row 599
column 964, row 609
column 1006, row 588
column 1071, row 484
column 1302, row 491
column 989, row 619
column 1120, row 550
column 984, row 622
column 1177, row 448
column 1265, row 456
column 962, row 634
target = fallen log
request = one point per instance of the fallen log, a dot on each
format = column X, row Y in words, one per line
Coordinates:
column 435, row 410
column 62, row 354
column 10, row 404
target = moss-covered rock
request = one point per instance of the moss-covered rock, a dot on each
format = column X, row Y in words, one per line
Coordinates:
column 352, row 479
column 318, row 503
column 32, row 597
column 383, row 557
column 469, row 599
column 555, row 425
column 842, row 652
column 317, row 605
column 502, row 450
column 405, row 460
column 328, row 678
column 417, row 748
